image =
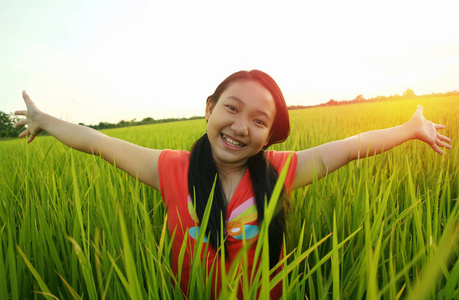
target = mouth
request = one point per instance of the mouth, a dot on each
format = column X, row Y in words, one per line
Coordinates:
column 232, row 142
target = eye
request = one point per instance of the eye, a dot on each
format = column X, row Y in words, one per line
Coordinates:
column 260, row 122
column 232, row 108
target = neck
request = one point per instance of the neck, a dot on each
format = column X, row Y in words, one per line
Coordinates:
column 231, row 169
column 230, row 179
column 230, row 173
column 228, row 169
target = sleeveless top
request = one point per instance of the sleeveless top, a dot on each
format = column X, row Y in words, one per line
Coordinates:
column 173, row 166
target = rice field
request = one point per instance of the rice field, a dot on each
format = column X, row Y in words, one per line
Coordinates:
column 75, row 227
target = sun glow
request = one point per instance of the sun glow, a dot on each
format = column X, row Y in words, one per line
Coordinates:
column 107, row 61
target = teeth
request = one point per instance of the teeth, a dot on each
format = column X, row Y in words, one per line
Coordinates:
column 232, row 142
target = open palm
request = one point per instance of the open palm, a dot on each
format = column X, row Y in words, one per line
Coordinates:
column 31, row 114
column 426, row 131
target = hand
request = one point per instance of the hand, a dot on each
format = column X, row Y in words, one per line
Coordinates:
column 32, row 113
column 426, row 131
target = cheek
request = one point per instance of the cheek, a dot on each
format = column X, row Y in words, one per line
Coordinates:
column 213, row 126
column 262, row 136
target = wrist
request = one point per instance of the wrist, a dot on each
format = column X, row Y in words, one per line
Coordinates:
column 410, row 130
column 41, row 119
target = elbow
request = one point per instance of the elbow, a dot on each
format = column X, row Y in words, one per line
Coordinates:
column 351, row 148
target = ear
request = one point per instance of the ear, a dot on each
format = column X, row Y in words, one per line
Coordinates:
column 209, row 108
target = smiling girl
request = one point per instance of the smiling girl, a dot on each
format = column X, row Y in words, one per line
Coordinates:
column 245, row 115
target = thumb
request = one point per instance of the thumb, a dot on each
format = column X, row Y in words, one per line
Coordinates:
column 29, row 103
column 26, row 96
column 419, row 112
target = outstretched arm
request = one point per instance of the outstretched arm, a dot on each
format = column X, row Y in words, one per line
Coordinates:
column 135, row 160
column 329, row 157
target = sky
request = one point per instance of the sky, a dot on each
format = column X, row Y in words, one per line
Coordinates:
column 92, row 61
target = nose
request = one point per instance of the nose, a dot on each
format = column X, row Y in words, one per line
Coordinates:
column 240, row 127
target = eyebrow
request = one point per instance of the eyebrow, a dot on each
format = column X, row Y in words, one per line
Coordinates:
column 258, row 110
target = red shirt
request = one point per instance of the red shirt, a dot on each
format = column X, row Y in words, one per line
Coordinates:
column 241, row 214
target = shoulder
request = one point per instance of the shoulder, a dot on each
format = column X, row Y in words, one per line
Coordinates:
column 279, row 158
column 174, row 155
column 172, row 161
column 173, row 168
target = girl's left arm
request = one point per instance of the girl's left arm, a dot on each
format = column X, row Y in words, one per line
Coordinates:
column 326, row 158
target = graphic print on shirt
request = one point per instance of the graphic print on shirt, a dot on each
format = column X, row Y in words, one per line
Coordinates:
column 194, row 231
column 237, row 223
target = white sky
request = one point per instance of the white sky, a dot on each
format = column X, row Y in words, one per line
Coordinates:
column 91, row 61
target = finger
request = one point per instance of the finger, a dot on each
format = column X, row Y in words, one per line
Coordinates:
column 30, row 139
column 24, row 133
column 21, row 113
column 419, row 111
column 436, row 148
column 21, row 122
column 443, row 138
column 26, row 98
column 439, row 126
column 25, row 95
column 439, row 143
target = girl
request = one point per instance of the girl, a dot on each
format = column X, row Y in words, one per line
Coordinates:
column 245, row 115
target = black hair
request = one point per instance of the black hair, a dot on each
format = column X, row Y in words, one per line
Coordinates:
column 201, row 177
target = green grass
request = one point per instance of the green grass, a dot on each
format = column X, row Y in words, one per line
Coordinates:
column 75, row 227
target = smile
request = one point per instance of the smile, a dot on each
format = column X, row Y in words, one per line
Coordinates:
column 231, row 141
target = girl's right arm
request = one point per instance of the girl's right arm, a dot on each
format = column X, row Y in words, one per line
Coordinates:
column 137, row 161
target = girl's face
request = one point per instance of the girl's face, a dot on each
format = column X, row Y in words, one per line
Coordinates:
column 239, row 124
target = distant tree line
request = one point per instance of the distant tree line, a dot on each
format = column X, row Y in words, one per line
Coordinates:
column 134, row 122
column 8, row 127
column 408, row 94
